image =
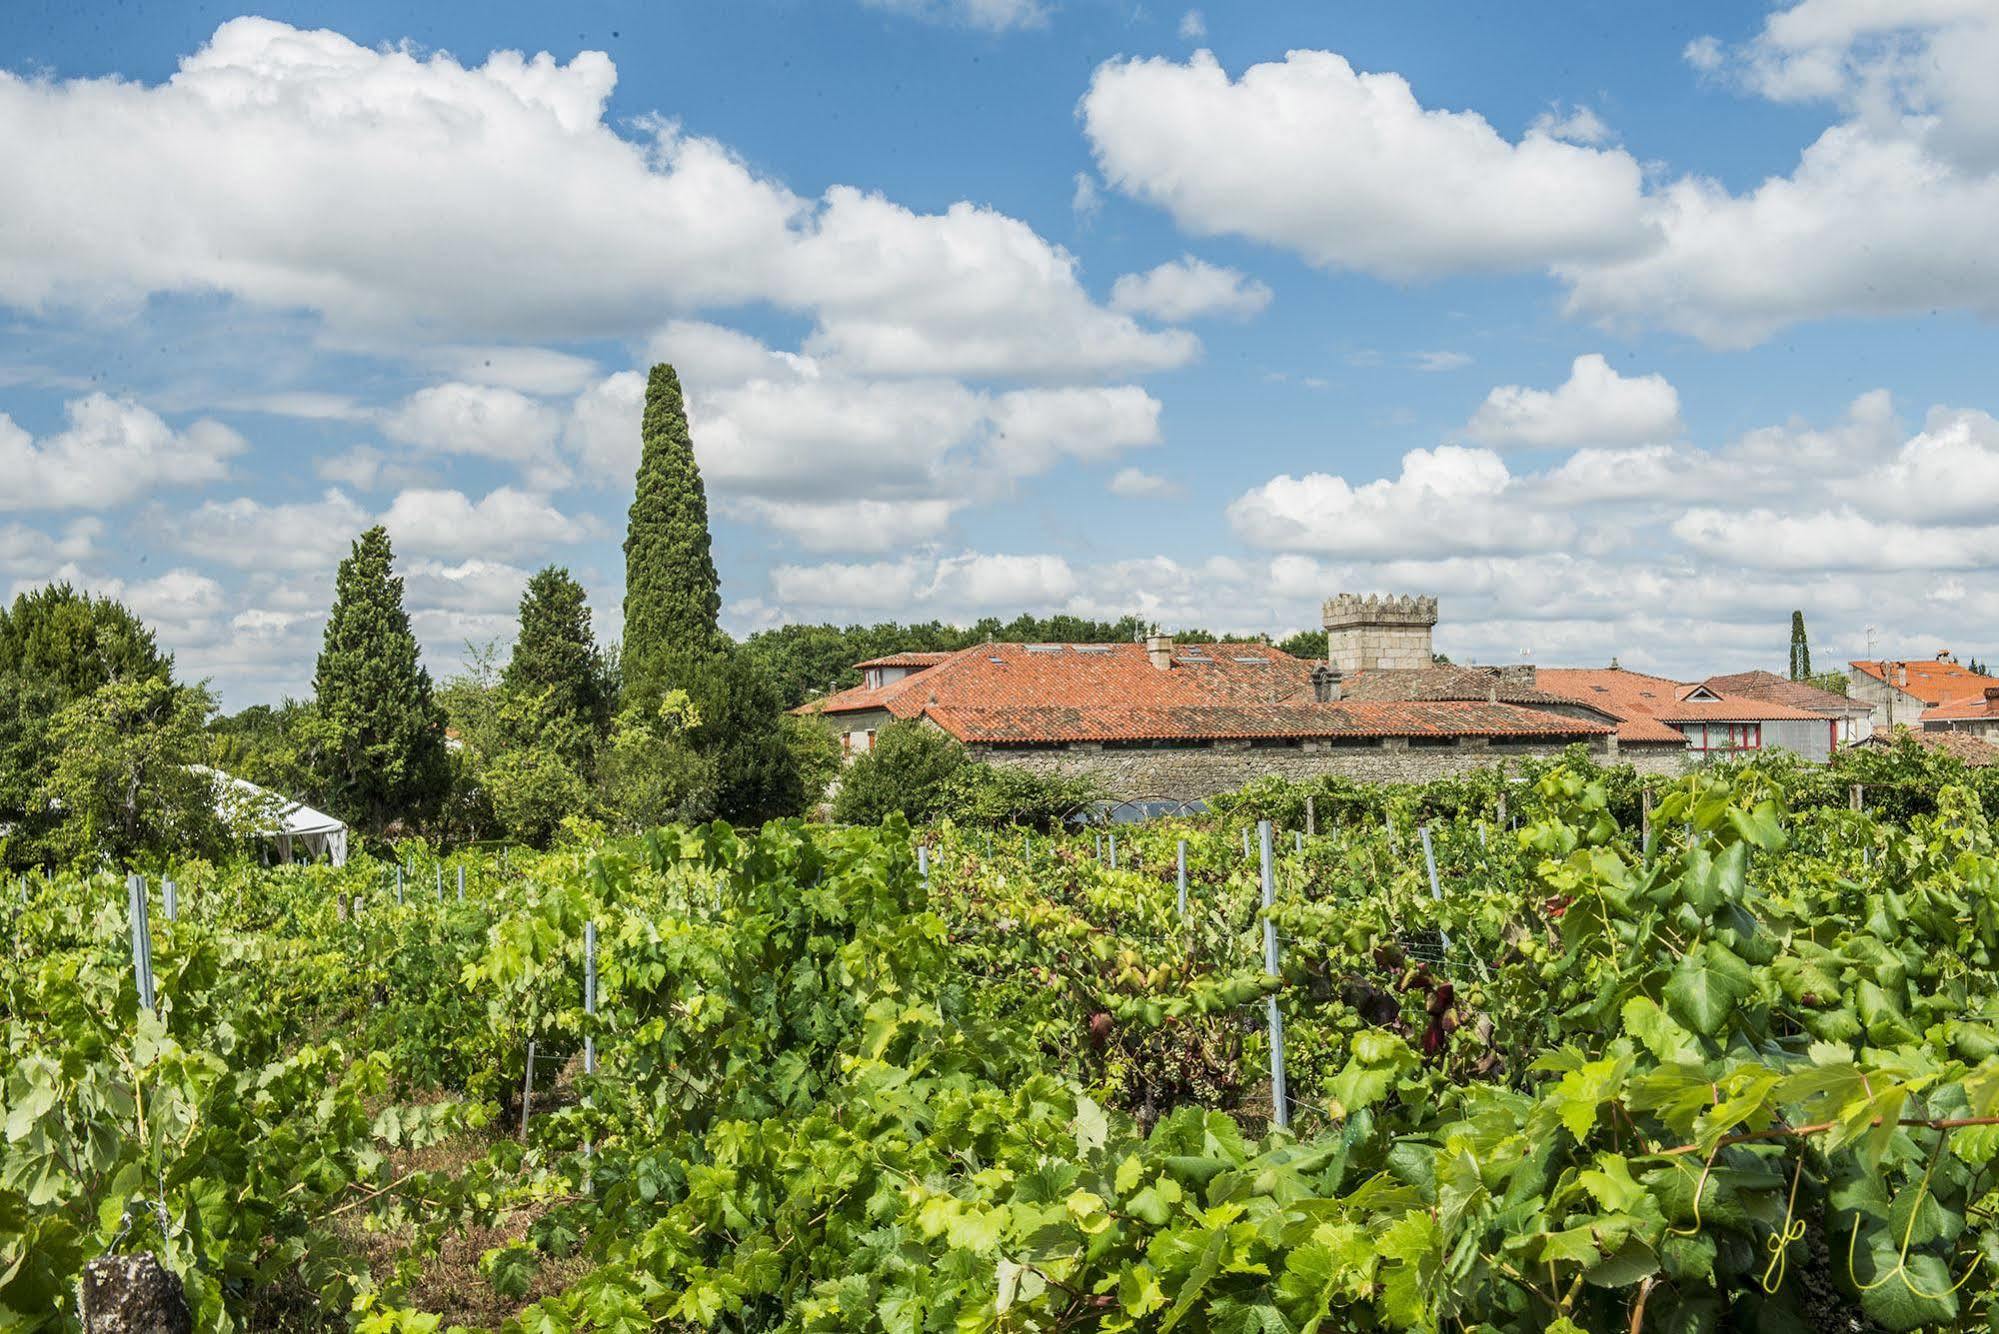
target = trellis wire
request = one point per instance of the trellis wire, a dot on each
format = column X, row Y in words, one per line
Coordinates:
column 1280, row 1105
column 142, row 938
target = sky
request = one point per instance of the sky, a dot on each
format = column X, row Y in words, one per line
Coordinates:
column 1623, row 330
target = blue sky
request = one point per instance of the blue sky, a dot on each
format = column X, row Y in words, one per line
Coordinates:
column 1623, row 330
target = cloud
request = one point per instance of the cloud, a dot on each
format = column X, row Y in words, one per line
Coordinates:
column 407, row 199
column 30, row 551
column 1577, row 125
column 479, row 420
column 1349, row 170
column 112, row 452
column 1947, row 473
column 1137, row 484
column 1864, row 226
column 1442, row 361
column 968, row 292
column 850, row 525
column 1189, row 289
column 1088, row 200
column 1841, row 539
column 247, row 534
column 983, row 15
column 787, row 441
column 531, row 370
column 959, row 587
column 1449, row 500
column 1192, row 26
column 1595, row 406
column 503, row 522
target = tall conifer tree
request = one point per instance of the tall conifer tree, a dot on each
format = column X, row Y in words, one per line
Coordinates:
column 555, row 660
column 1801, row 649
column 388, row 758
column 672, row 595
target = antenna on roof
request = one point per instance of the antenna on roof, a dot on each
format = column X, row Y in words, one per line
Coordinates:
column 1870, row 642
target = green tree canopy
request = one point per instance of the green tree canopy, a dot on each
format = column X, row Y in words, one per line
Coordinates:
column 387, row 759
column 672, row 594
column 73, row 643
column 556, row 665
column 125, row 773
column 909, row 770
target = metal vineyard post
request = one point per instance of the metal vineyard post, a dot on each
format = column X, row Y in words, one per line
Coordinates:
column 1183, row 879
column 1280, row 1103
column 1436, row 890
column 142, row 938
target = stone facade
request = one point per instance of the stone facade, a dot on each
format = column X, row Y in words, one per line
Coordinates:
column 1186, row 772
column 1369, row 633
column 1892, row 706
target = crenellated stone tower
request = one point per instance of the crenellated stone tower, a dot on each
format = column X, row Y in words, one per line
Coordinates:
column 1369, row 633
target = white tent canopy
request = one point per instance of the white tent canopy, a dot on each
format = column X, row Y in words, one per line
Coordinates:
column 294, row 830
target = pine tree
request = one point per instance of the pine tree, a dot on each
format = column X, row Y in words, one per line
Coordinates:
column 555, row 660
column 388, row 759
column 672, row 595
column 1801, row 649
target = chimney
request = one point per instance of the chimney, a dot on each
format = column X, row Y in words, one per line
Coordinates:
column 1159, row 651
column 1991, row 694
column 1902, row 675
column 1326, row 684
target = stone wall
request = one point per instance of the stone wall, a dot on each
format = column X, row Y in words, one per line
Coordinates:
column 1186, row 772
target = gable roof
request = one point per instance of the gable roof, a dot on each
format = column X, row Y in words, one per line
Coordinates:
column 1966, row 709
column 1027, row 694
column 1930, row 681
column 1782, row 690
column 1649, row 705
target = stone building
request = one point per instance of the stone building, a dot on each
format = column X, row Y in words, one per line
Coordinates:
column 1928, row 694
column 1180, row 721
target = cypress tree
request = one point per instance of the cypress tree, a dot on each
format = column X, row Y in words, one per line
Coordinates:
column 387, row 759
column 672, row 595
column 1801, row 649
column 555, row 659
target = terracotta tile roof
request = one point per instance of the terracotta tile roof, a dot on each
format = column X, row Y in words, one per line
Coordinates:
column 1967, row 709
column 1445, row 682
column 1782, row 690
column 1975, row 752
column 1649, row 704
column 925, row 659
column 1930, row 681
column 1051, row 693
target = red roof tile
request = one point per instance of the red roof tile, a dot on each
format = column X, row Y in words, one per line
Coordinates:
column 1930, row 681
column 1976, row 753
column 1051, row 693
column 1783, row 690
column 1649, row 704
column 924, row 659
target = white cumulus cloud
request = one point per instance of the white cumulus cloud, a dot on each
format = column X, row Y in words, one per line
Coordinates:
column 1190, row 289
column 112, row 451
column 1595, row 406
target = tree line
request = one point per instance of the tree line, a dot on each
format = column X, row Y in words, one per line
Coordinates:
column 106, row 756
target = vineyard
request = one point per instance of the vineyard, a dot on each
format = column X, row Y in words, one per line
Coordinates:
column 1500, row 1057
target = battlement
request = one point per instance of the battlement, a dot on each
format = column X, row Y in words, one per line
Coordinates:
column 1351, row 609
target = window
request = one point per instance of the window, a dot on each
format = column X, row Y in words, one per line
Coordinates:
column 1709, row 738
column 874, row 678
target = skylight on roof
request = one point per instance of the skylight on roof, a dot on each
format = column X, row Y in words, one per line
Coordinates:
column 1601, row 690
column 1093, row 648
column 1044, row 648
column 1240, row 657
